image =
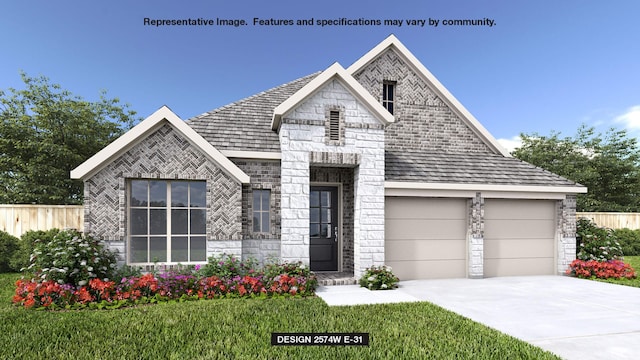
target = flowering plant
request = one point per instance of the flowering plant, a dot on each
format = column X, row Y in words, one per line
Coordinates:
column 71, row 258
column 611, row 269
column 226, row 265
column 379, row 278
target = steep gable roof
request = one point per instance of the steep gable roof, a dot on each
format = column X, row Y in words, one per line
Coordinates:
column 245, row 124
column 335, row 71
column 433, row 83
column 139, row 132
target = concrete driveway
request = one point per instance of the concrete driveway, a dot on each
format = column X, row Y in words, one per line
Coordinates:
column 573, row 318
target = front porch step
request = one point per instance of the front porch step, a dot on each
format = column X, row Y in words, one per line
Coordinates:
column 335, row 278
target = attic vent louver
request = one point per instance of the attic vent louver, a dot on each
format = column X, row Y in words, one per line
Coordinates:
column 334, row 125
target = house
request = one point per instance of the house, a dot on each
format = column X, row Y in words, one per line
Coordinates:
column 343, row 169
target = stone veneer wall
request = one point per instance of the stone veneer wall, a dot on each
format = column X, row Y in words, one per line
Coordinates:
column 264, row 175
column 344, row 176
column 567, row 232
column 165, row 154
column 422, row 120
column 302, row 133
column 476, row 237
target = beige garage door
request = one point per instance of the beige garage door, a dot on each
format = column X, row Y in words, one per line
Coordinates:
column 425, row 237
column 519, row 237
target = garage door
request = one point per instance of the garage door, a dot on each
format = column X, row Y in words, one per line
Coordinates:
column 425, row 237
column 519, row 237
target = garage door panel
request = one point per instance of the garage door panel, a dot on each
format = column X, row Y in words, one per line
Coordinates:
column 425, row 238
column 518, row 248
column 519, row 229
column 519, row 237
column 518, row 267
column 406, row 250
column 425, row 208
column 442, row 269
column 519, row 209
column 404, row 229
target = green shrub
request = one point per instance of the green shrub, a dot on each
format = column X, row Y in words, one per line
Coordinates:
column 596, row 243
column 379, row 278
column 20, row 259
column 629, row 241
column 225, row 265
column 71, row 258
column 8, row 247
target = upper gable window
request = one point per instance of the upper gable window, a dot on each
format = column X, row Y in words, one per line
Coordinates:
column 389, row 95
column 261, row 210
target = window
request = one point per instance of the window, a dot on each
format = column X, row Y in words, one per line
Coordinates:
column 167, row 221
column 261, row 210
column 388, row 95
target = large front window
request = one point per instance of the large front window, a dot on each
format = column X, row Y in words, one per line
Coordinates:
column 167, row 221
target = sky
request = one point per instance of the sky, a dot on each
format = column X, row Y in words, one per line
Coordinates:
column 543, row 66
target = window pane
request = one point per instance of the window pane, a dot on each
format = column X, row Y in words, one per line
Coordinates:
column 157, row 221
column 198, row 222
column 314, row 199
column 157, row 193
column 158, row 249
column 326, row 215
column 265, row 199
column 265, row 222
column 138, row 249
column 256, row 222
column 390, row 107
column 179, row 194
column 314, row 230
column 180, row 221
column 325, row 198
column 198, row 248
column 179, row 248
column 314, row 215
column 198, row 194
column 139, row 192
column 324, row 230
column 138, row 222
column 390, row 90
column 256, row 200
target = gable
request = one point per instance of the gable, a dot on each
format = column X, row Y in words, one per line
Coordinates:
column 425, row 100
column 423, row 120
column 162, row 117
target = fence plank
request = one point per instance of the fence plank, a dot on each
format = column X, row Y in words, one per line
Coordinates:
column 18, row 219
column 613, row 220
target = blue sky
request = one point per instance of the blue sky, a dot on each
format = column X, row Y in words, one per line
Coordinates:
column 545, row 65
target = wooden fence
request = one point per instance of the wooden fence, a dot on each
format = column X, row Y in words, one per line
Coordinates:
column 18, row 219
column 613, row 220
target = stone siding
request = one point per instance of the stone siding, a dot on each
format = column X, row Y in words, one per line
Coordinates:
column 566, row 232
column 300, row 137
column 422, row 120
column 166, row 155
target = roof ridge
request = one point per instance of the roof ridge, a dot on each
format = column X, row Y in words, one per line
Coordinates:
column 251, row 97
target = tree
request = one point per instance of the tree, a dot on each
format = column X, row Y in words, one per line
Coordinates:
column 45, row 132
column 606, row 164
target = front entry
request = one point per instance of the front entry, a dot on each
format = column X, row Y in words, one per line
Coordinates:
column 323, row 228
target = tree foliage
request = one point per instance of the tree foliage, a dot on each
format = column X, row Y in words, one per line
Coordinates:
column 45, row 132
column 607, row 164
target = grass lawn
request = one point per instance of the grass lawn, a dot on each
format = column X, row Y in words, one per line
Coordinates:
column 241, row 329
column 634, row 261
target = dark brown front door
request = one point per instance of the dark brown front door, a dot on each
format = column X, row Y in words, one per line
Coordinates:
column 323, row 228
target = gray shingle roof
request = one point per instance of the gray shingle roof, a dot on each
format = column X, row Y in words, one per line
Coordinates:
column 470, row 168
column 245, row 125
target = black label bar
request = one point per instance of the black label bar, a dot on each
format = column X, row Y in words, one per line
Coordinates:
column 318, row 339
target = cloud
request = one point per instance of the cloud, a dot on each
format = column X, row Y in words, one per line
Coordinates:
column 631, row 118
column 511, row 144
